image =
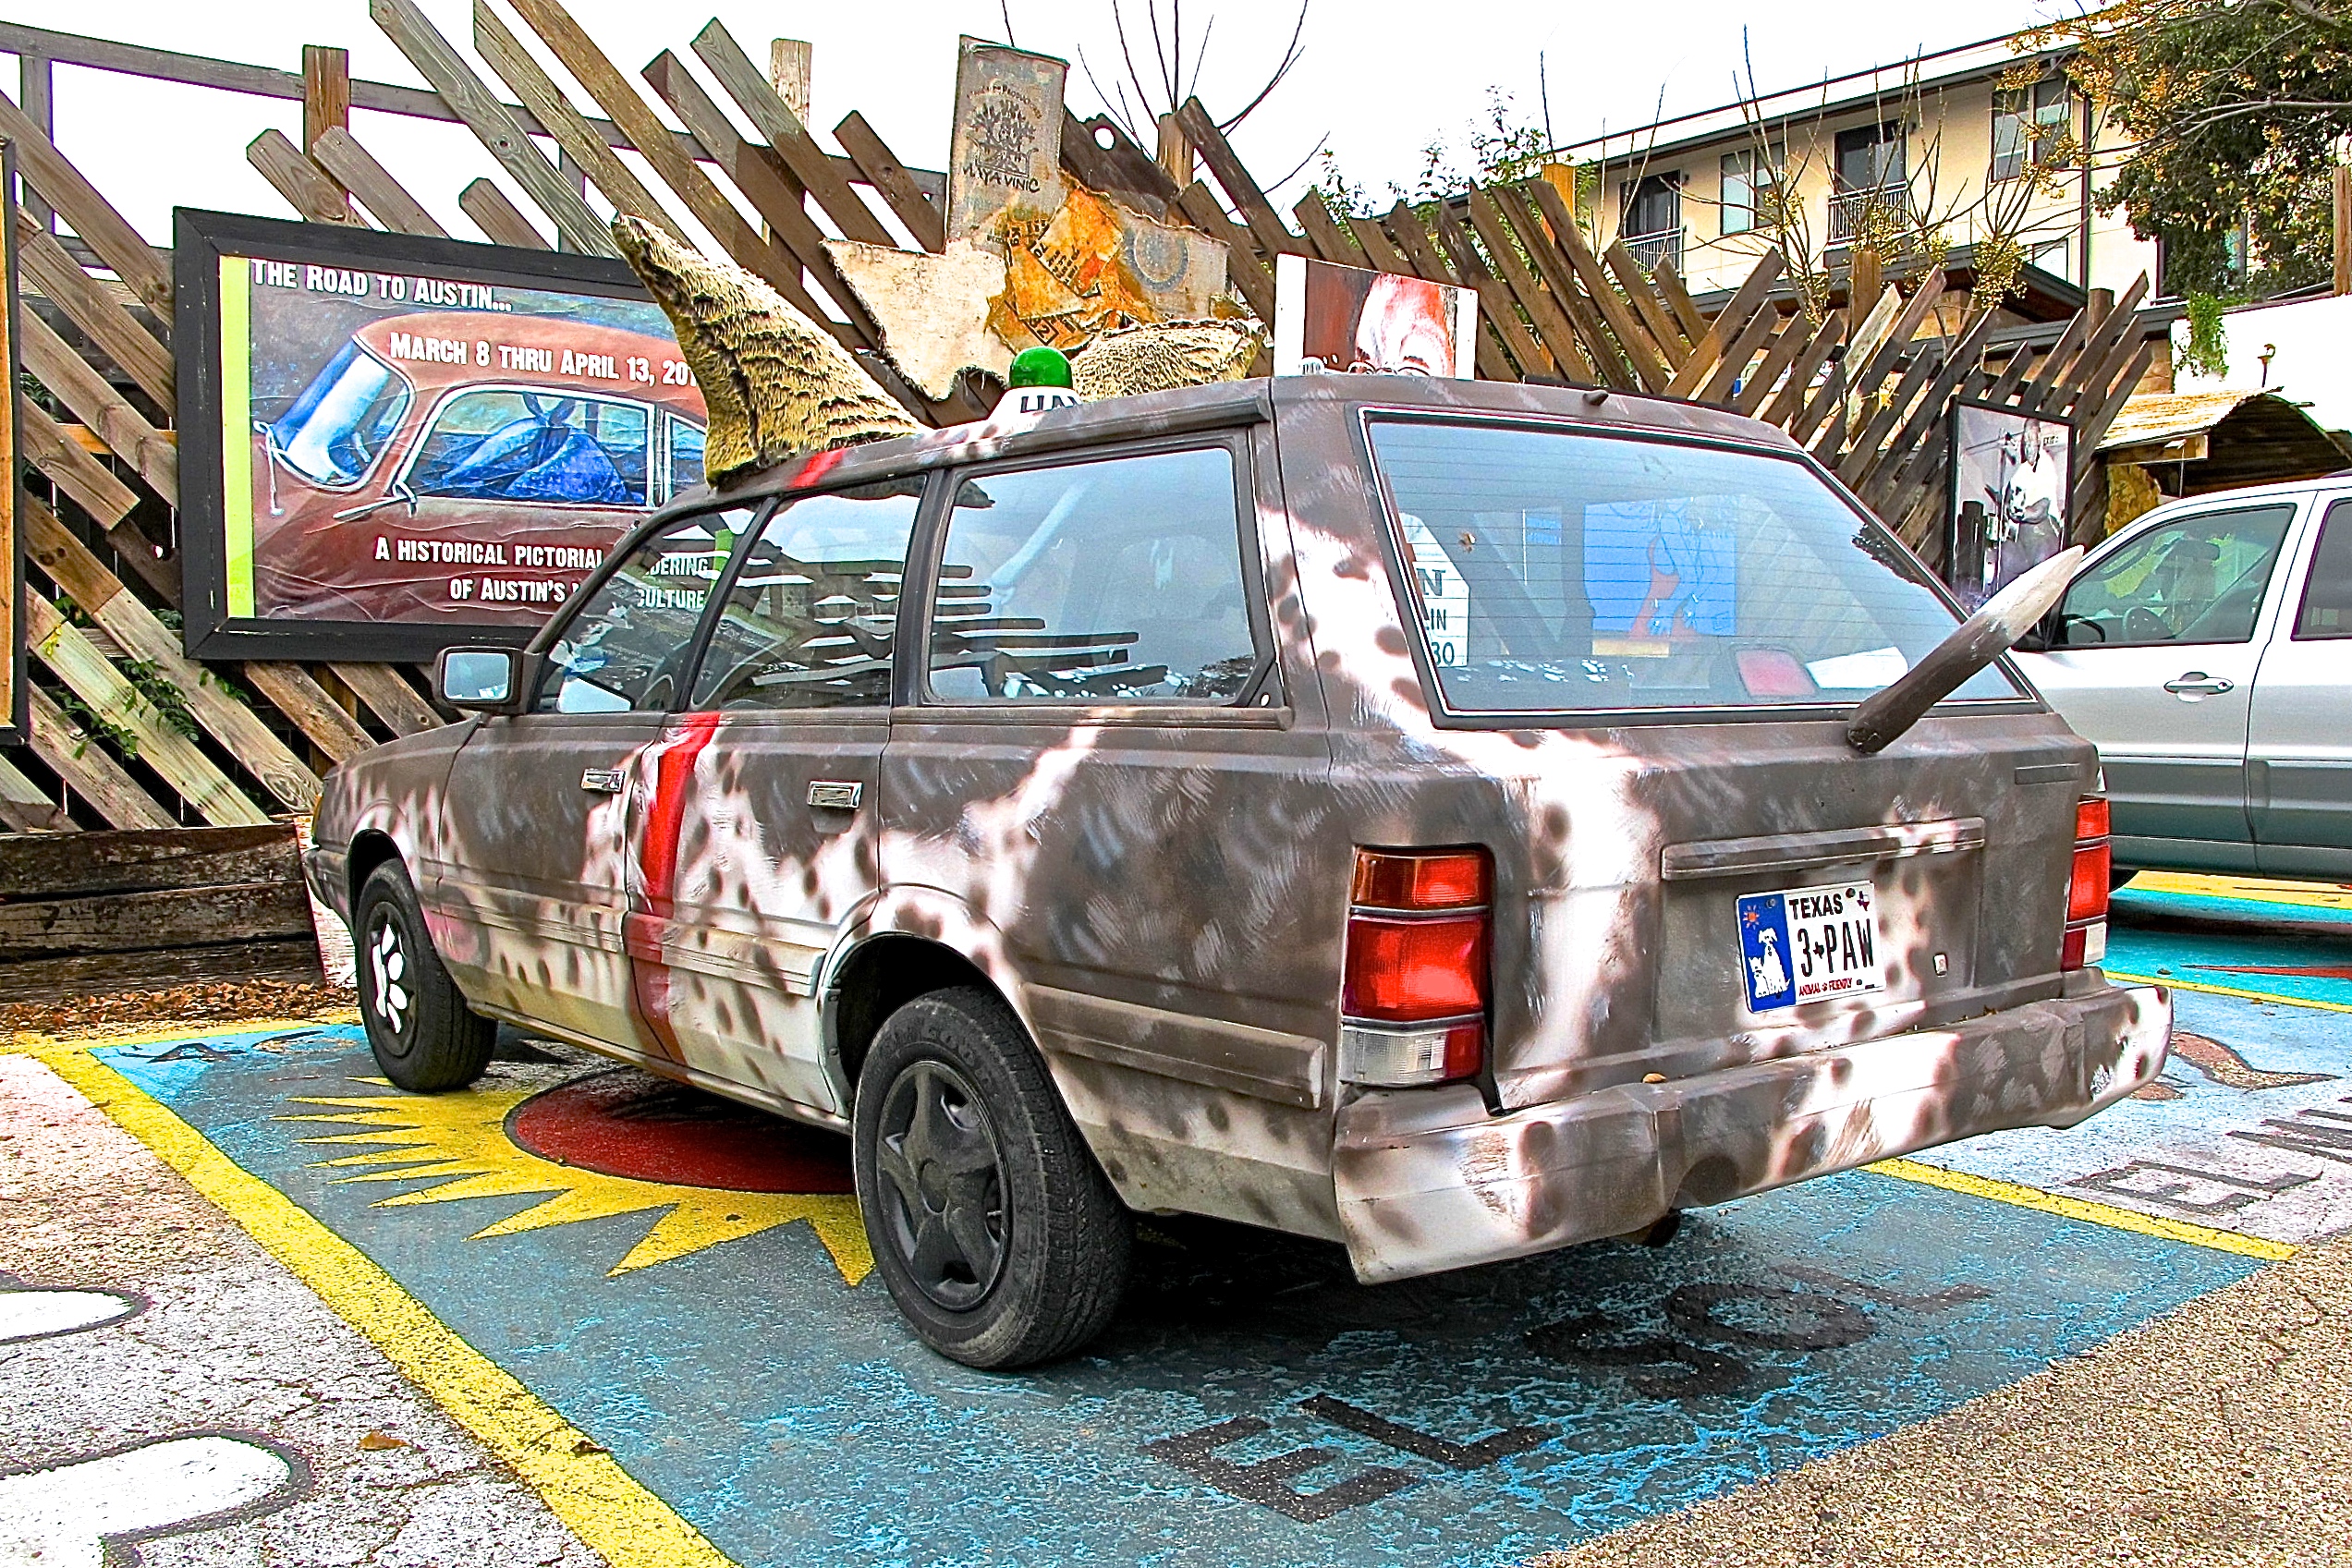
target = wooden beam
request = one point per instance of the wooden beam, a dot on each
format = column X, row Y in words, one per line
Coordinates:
column 1791, row 398
column 1796, row 334
column 389, row 697
column 1253, row 277
column 138, row 632
column 504, row 54
column 89, row 307
column 1230, row 173
column 1634, row 340
column 124, row 922
column 415, row 37
column 1684, row 309
column 25, row 808
column 1718, row 387
column 87, row 212
column 1330, row 241
column 1552, row 264
column 92, row 677
column 891, row 180
column 125, row 430
column 300, row 699
column 1753, row 298
column 499, row 218
column 775, row 119
column 72, row 754
column 142, row 861
column 1643, row 298
column 326, row 95
column 771, row 189
column 339, row 153
column 306, row 187
column 67, row 466
column 1551, row 324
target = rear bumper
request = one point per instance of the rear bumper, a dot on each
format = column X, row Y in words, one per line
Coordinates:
column 1428, row 1180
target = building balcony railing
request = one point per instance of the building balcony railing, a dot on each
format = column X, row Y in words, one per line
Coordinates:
column 1652, row 249
column 1848, row 207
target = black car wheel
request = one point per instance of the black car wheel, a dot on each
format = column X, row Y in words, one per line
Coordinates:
column 424, row 1037
column 994, row 1229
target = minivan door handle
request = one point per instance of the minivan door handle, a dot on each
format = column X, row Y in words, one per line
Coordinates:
column 603, row 781
column 2197, row 683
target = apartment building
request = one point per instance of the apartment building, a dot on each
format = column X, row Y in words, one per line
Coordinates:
column 1944, row 140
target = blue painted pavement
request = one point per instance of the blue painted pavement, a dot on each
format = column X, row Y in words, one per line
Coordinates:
column 1252, row 1404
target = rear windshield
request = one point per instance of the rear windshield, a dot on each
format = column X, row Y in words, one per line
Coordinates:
column 1562, row 570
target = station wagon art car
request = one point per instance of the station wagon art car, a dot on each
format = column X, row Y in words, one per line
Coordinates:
column 525, row 458
column 1453, row 820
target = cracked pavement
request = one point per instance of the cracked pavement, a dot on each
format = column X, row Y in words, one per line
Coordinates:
column 228, row 1344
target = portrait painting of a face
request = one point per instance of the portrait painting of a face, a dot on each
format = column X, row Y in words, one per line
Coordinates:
column 1352, row 320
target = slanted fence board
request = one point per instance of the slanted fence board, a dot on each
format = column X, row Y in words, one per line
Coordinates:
column 74, row 756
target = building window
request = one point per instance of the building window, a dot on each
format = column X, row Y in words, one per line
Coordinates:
column 1747, row 190
column 2050, row 257
column 2026, row 122
column 1653, row 226
column 1870, row 178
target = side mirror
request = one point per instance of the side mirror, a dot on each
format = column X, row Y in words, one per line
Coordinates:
column 481, row 679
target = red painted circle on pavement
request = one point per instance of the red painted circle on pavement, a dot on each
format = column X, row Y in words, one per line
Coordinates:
column 626, row 1124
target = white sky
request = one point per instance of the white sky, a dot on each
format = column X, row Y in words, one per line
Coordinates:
column 1379, row 79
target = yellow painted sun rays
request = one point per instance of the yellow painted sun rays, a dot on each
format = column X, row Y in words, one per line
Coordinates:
column 459, row 1142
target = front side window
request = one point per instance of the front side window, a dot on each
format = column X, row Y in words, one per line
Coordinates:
column 2327, row 597
column 1116, row 580
column 1557, row 570
column 626, row 651
column 337, row 428
column 811, row 617
column 2195, row 579
column 507, row 445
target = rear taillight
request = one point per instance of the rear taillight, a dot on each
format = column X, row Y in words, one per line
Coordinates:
column 1414, row 992
column 2085, row 939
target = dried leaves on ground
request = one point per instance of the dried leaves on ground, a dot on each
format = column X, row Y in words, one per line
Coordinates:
column 222, row 1003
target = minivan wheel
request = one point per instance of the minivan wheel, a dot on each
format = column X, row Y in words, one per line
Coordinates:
column 996, row 1232
column 424, row 1037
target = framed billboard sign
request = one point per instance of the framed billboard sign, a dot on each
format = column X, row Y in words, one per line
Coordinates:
column 14, row 719
column 1328, row 316
column 2012, row 485
column 393, row 444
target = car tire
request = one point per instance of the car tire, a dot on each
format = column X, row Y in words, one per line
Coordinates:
column 995, row 1230
column 424, row 1037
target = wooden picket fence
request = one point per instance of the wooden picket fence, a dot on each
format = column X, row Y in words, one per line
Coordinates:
column 141, row 736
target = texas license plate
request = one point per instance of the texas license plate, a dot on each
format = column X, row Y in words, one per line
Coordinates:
column 1809, row 945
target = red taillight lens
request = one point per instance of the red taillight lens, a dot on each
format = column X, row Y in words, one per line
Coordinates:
column 2087, row 886
column 1453, row 879
column 1410, row 971
column 1414, row 990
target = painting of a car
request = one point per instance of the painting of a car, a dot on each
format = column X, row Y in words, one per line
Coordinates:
column 452, row 466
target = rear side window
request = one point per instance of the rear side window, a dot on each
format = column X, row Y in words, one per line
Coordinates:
column 2194, row 579
column 2327, row 597
column 1560, row 570
column 811, row 619
column 1116, row 580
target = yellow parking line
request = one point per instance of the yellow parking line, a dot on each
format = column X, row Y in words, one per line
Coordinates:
column 2249, row 890
column 2082, row 1209
column 35, row 1040
column 584, row 1485
column 2230, row 991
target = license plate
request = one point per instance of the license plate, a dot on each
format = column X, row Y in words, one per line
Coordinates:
column 1809, row 945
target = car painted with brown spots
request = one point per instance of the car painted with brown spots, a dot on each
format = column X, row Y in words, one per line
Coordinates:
column 1410, row 813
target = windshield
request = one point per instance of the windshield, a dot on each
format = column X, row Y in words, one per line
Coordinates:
column 336, row 429
column 1561, row 570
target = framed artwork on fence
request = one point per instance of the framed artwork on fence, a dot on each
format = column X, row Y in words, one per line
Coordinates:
column 1354, row 318
column 393, row 444
column 2012, row 485
column 14, row 719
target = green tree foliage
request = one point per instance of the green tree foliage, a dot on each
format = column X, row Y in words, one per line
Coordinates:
column 1498, row 146
column 2234, row 109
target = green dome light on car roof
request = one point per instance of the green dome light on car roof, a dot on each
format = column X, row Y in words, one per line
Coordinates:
column 1038, row 367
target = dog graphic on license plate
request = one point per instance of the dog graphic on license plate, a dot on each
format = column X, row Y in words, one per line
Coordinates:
column 1809, row 945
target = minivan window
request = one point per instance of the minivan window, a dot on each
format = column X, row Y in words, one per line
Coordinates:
column 2327, row 596
column 1562, row 570
column 626, row 651
column 2194, row 579
column 810, row 620
column 1116, row 580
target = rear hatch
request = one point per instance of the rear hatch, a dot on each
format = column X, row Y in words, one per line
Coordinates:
column 1688, row 624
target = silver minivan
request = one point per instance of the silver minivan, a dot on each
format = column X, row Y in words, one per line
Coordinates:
column 2206, row 650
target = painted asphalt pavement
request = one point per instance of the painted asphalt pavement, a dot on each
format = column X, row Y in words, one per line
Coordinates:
column 712, row 1325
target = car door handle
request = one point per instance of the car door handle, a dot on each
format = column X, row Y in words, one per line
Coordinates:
column 836, row 794
column 605, row 780
column 2197, row 683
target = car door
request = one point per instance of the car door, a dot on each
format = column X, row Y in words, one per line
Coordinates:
column 754, row 847
column 2154, row 662
column 2299, row 748
column 1098, row 771
column 540, row 802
